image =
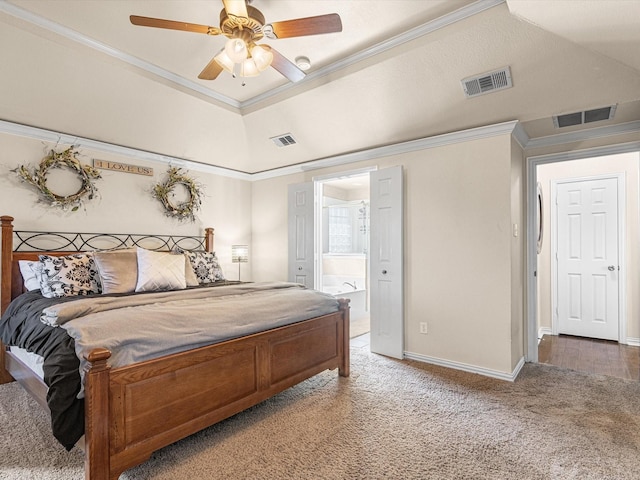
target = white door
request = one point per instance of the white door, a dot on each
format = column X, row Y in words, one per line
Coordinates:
column 386, row 268
column 588, row 258
column 301, row 242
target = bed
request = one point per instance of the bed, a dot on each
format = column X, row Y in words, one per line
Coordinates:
column 124, row 423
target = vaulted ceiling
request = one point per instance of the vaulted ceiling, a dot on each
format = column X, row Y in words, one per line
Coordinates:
column 392, row 75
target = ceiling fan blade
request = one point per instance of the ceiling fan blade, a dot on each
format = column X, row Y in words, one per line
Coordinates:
column 285, row 66
column 237, row 8
column 211, row 71
column 173, row 25
column 299, row 27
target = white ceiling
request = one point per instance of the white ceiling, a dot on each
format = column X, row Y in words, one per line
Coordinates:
column 392, row 75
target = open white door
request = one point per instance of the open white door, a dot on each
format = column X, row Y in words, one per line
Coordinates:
column 301, row 242
column 387, row 303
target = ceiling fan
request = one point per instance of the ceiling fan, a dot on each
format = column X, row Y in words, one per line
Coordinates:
column 244, row 26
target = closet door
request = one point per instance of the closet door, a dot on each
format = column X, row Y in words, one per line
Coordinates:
column 301, row 240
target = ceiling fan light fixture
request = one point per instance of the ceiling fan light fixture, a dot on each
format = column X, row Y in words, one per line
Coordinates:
column 236, row 50
column 248, row 68
column 262, row 57
column 224, row 61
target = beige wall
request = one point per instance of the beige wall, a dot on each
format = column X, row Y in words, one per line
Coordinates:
column 125, row 204
column 459, row 273
column 629, row 164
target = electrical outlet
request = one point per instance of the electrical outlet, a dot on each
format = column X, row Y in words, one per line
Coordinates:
column 423, row 327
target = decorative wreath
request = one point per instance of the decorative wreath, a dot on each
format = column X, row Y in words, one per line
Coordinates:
column 184, row 210
column 68, row 159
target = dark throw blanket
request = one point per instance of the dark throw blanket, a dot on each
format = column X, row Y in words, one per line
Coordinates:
column 21, row 326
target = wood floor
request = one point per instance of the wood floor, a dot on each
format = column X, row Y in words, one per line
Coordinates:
column 589, row 355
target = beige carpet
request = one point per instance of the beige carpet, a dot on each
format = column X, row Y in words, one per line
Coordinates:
column 390, row 420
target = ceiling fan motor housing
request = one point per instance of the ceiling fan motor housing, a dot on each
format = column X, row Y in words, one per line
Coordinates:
column 231, row 25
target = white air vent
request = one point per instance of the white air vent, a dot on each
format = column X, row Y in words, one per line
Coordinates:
column 284, row 140
column 487, row 82
column 587, row 116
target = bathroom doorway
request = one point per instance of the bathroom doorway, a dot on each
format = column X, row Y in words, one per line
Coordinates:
column 343, row 234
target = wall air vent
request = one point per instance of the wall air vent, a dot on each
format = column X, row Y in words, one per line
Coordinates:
column 487, row 82
column 580, row 118
column 284, row 140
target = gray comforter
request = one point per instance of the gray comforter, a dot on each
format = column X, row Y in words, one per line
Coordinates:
column 141, row 327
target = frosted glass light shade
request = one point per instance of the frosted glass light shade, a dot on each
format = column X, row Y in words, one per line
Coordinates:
column 236, row 50
column 262, row 57
column 224, row 61
column 249, row 68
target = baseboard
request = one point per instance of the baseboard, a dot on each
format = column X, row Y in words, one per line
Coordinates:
column 544, row 331
column 633, row 342
column 510, row 377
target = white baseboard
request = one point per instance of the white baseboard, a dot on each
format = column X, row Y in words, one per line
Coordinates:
column 544, row 331
column 510, row 377
column 631, row 341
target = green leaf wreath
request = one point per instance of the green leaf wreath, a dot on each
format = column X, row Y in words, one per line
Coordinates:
column 38, row 179
column 164, row 191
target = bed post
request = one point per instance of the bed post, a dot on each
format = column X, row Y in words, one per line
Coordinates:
column 343, row 369
column 208, row 239
column 7, row 251
column 97, row 455
column 5, row 291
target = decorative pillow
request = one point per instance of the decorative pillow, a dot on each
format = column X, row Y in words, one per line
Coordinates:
column 31, row 274
column 189, row 274
column 69, row 275
column 159, row 271
column 118, row 270
column 206, row 267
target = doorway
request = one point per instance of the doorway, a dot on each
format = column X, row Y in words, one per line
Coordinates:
column 343, row 234
column 550, row 170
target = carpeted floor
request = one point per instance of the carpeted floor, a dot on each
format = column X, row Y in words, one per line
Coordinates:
column 390, row 420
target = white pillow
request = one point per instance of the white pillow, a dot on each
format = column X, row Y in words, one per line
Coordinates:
column 160, row 271
column 31, row 274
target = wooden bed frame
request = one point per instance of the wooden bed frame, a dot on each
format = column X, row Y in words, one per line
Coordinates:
column 124, row 421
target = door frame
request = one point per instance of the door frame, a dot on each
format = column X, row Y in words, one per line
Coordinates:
column 621, row 211
column 531, row 333
column 318, row 183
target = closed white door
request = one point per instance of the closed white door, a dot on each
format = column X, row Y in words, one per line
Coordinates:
column 386, row 267
column 301, row 227
column 588, row 258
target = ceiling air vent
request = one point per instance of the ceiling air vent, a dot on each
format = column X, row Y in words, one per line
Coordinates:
column 580, row 118
column 487, row 82
column 284, row 140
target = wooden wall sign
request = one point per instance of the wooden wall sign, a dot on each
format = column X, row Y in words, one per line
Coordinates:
column 122, row 167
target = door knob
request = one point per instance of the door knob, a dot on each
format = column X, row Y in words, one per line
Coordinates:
column 611, row 268
column 299, row 268
column 384, row 272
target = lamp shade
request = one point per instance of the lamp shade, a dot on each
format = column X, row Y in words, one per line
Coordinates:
column 239, row 253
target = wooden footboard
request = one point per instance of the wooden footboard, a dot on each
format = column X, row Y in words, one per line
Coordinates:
column 133, row 411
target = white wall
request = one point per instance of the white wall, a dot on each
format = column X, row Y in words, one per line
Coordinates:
column 125, row 204
column 458, row 249
column 629, row 164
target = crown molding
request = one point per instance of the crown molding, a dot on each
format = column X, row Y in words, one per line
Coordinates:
column 391, row 150
column 100, row 146
column 513, row 128
column 77, row 37
column 254, row 103
column 583, row 135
